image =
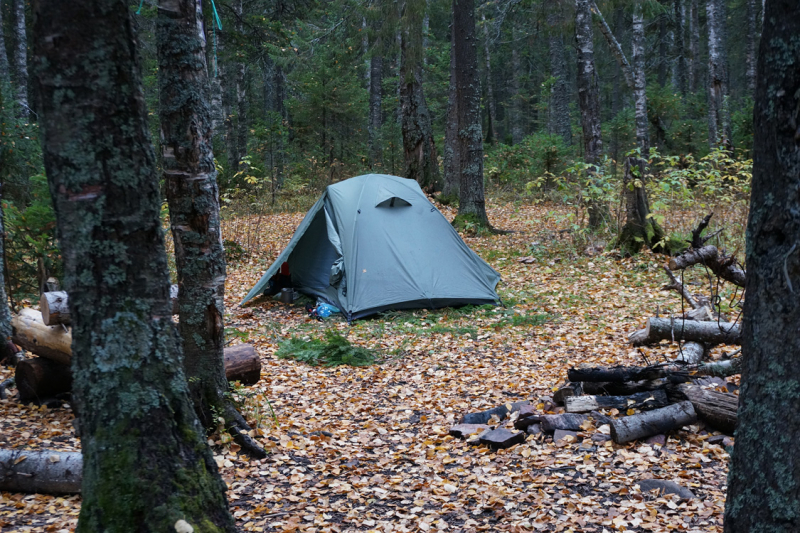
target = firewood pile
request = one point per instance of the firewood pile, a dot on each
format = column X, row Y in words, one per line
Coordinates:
column 46, row 378
column 628, row 403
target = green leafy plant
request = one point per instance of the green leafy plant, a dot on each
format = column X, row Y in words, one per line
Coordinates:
column 333, row 350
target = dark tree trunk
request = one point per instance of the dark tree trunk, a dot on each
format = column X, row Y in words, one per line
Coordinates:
column 241, row 92
column 589, row 101
column 640, row 228
column 4, row 67
column 517, row 129
column 679, row 13
column 663, row 49
column 559, row 122
column 452, row 157
column 228, row 89
column 764, row 480
column 491, row 106
column 472, row 201
column 21, row 58
column 418, row 145
column 280, row 108
column 719, row 120
column 141, row 440
column 193, row 196
column 752, row 42
column 694, row 47
column 375, row 106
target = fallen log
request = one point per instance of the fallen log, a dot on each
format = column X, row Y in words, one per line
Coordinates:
column 39, row 378
column 626, row 389
column 680, row 329
column 624, row 374
column 29, row 331
column 718, row 409
column 723, row 267
column 40, row 471
column 54, row 307
column 565, row 391
column 651, row 423
column 642, row 400
column 691, row 352
column 571, row 422
column 242, row 364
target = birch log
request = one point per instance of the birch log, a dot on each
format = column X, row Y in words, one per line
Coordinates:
column 40, row 471
column 642, row 400
column 29, row 331
column 679, row 329
column 54, row 307
column 653, row 422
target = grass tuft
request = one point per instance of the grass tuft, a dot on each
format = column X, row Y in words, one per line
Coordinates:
column 334, row 350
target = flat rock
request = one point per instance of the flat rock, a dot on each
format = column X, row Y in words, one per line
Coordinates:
column 560, row 434
column 716, row 439
column 528, row 414
column 502, row 438
column 534, row 429
column 484, row 416
column 462, row 431
column 665, row 487
column 571, row 422
column 599, row 437
column 475, row 439
column 656, row 440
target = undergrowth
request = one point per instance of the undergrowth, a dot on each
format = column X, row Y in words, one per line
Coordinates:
column 333, row 350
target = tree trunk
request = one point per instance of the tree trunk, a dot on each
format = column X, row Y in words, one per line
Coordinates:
column 719, row 120
column 280, row 108
column 241, row 91
column 375, row 106
column 4, row 66
column 418, row 145
column 517, row 130
column 764, row 480
column 40, row 377
column 41, row 471
column 5, row 313
column 679, row 329
column 193, row 196
column 640, row 228
column 491, row 106
column 694, row 47
column 452, row 156
column 54, row 307
column 639, row 84
column 589, row 102
column 751, row 47
column 663, row 46
column 559, row 122
column 216, row 109
column 651, row 423
column 141, row 439
column 472, row 202
column 679, row 76
column 21, row 58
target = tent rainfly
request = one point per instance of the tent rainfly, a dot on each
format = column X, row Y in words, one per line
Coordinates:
column 373, row 243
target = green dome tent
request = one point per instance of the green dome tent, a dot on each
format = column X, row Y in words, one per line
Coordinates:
column 374, row 243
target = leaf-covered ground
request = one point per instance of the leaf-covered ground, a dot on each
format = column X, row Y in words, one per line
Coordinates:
column 367, row 449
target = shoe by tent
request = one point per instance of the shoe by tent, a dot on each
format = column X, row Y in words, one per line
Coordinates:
column 375, row 242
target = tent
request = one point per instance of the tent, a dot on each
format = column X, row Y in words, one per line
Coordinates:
column 373, row 243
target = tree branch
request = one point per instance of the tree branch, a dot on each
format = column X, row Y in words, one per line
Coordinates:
column 616, row 49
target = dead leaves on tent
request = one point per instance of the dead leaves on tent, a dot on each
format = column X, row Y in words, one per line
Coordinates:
column 367, row 449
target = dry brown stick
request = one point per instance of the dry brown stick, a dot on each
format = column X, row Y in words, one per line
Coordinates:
column 681, row 289
column 724, row 267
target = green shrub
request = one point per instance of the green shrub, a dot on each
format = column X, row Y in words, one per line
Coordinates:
column 334, row 350
column 537, row 155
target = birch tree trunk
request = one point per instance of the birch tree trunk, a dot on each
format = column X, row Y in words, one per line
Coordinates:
column 679, row 76
column 21, row 58
column 639, row 82
column 193, row 196
column 764, row 480
column 559, row 122
column 589, row 101
column 472, row 202
column 418, row 144
column 491, row 134
column 241, row 92
column 452, row 155
column 146, row 464
column 5, row 314
column 217, row 117
column 719, row 120
column 694, row 47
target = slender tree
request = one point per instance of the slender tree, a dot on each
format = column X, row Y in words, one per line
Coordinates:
column 418, row 144
column 452, row 156
column 589, row 100
column 5, row 314
column 472, row 202
column 679, row 70
column 21, row 58
column 191, row 185
column 764, row 480
column 241, row 90
column 694, row 67
column 559, row 122
column 719, row 119
column 639, row 82
column 146, row 464
column 491, row 105
column 750, row 53
column 517, row 131
column 4, row 67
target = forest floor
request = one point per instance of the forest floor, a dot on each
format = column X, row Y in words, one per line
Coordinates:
column 367, row 449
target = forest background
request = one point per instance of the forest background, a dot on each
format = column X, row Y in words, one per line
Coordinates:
column 305, row 93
